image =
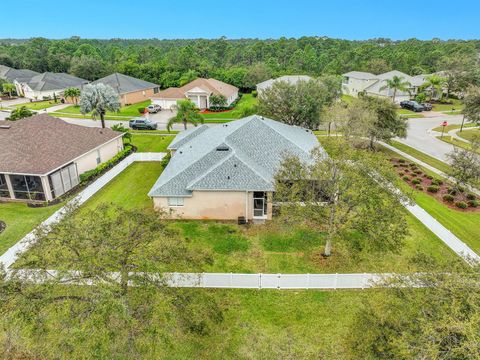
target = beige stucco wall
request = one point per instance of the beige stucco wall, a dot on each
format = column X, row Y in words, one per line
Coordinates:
column 216, row 205
column 136, row 96
column 107, row 151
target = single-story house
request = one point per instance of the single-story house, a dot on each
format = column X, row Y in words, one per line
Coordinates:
column 291, row 79
column 49, row 85
column 16, row 76
column 130, row 90
column 355, row 82
column 42, row 157
column 198, row 91
column 227, row 171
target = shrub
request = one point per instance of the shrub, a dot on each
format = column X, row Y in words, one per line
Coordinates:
column 461, row 204
column 448, row 197
column 406, row 170
column 395, row 165
column 452, row 191
column 418, row 172
column 437, row 182
column 406, row 178
column 141, row 110
column 401, row 173
column 429, row 177
column 166, row 160
column 433, row 188
column 471, row 196
column 419, row 187
column 473, row 203
column 412, row 165
column 416, row 181
column 461, row 189
column 254, row 93
column 90, row 174
column 401, row 161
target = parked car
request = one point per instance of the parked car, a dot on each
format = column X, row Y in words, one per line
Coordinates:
column 411, row 105
column 427, row 106
column 153, row 108
column 142, row 123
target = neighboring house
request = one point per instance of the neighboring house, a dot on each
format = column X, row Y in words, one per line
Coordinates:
column 130, row 90
column 198, row 91
column 227, row 171
column 49, row 85
column 42, row 156
column 355, row 82
column 291, row 79
column 16, row 76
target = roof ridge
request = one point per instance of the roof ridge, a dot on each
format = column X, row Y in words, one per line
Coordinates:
column 209, row 170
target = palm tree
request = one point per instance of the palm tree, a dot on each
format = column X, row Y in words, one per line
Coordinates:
column 187, row 113
column 8, row 88
column 72, row 93
column 98, row 99
column 435, row 84
column 397, row 84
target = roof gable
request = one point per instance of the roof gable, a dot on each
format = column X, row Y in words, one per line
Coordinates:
column 123, row 84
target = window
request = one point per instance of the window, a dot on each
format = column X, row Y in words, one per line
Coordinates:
column 63, row 180
column 27, row 187
column 156, row 90
column 175, row 201
column 3, row 187
column 99, row 159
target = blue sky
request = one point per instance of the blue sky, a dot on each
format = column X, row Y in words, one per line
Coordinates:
column 349, row 19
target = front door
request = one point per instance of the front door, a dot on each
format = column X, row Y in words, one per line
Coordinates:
column 259, row 205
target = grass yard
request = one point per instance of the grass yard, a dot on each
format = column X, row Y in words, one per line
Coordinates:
column 272, row 248
column 458, row 143
column 409, row 114
column 39, row 105
column 164, row 132
column 246, row 101
column 151, row 143
column 125, row 111
column 456, row 104
column 453, row 127
column 438, row 164
column 20, row 220
column 469, row 134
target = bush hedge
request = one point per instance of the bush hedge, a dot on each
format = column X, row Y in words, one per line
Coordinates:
column 91, row 174
column 448, row 197
column 433, row 188
column 471, row 196
column 416, row 181
column 437, row 182
column 461, row 204
column 473, row 203
column 419, row 187
column 406, row 178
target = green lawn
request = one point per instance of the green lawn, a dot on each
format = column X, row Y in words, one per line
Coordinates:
column 469, row 134
column 409, row 114
column 456, row 104
column 125, row 111
column 164, row 132
column 452, row 127
column 465, row 225
column 272, row 248
column 246, row 101
column 438, row 164
column 151, row 143
column 20, row 220
column 39, row 105
column 458, row 143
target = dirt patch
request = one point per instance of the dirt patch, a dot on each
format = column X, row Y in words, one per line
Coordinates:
column 443, row 191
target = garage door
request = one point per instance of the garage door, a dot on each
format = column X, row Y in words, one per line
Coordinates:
column 165, row 103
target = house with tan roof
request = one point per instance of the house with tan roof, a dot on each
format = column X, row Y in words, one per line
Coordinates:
column 227, row 171
column 198, row 91
column 43, row 157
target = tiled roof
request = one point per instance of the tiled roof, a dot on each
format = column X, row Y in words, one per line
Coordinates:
column 123, row 84
column 240, row 155
column 211, row 86
column 42, row 143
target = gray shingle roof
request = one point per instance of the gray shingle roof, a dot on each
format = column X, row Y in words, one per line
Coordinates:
column 360, row 75
column 240, row 155
column 291, row 79
column 55, row 81
column 21, row 75
column 123, row 84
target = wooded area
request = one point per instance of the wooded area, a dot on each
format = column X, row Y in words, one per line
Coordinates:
column 242, row 62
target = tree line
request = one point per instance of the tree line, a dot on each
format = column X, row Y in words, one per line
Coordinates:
column 242, row 62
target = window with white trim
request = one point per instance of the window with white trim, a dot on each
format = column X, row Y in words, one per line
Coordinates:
column 175, row 201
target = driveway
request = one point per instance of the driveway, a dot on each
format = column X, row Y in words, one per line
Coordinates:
column 421, row 137
column 6, row 103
